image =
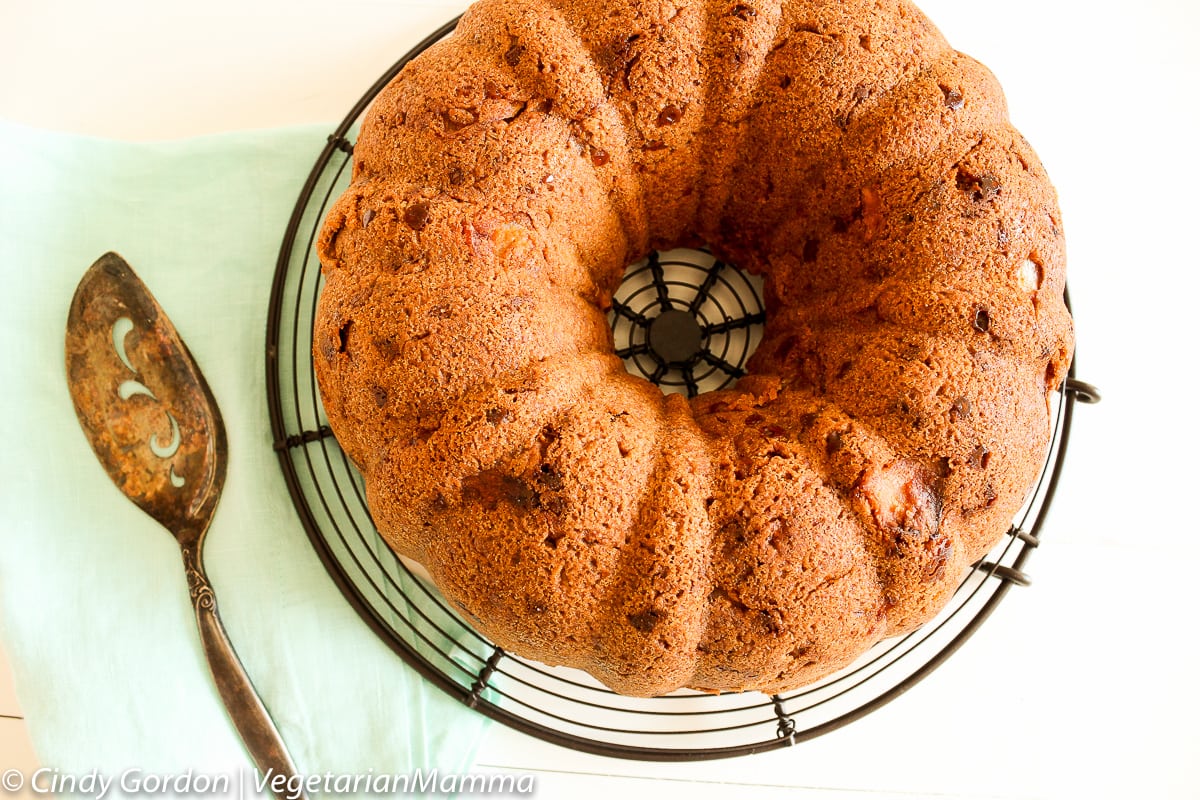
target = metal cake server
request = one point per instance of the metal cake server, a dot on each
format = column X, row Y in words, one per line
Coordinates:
column 155, row 427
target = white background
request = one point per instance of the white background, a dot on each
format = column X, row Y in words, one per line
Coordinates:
column 1084, row 685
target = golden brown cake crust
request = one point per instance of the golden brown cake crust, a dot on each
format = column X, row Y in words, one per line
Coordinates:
column 761, row 537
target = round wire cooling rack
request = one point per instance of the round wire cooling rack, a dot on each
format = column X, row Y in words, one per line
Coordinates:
column 567, row 707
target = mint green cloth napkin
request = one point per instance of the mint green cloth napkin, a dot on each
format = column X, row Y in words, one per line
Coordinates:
column 96, row 616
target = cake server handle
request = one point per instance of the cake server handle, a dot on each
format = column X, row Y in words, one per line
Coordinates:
column 246, row 709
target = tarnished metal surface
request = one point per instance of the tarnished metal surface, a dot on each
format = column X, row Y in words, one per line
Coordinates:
column 155, row 427
column 142, row 401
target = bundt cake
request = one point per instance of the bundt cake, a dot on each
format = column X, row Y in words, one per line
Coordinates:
column 892, row 419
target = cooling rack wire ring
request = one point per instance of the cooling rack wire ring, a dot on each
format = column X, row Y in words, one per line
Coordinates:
column 562, row 706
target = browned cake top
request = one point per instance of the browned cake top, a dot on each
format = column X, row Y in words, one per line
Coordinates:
column 760, row 537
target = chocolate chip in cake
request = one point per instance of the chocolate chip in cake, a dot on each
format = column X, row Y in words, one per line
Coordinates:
column 953, row 98
column 982, row 189
column 492, row 486
column 983, row 320
column 416, row 216
column 387, row 348
column 812, row 249
column 516, row 491
column 938, row 550
column 549, row 477
column 979, row 457
column 669, row 116
column 646, row 621
column 512, row 56
column 773, row 432
column 1054, row 376
column 989, row 187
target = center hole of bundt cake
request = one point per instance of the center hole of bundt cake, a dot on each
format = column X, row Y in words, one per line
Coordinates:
column 675, row 337
column 687, row 321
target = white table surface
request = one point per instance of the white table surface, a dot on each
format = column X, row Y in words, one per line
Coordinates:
column 1083, row 685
